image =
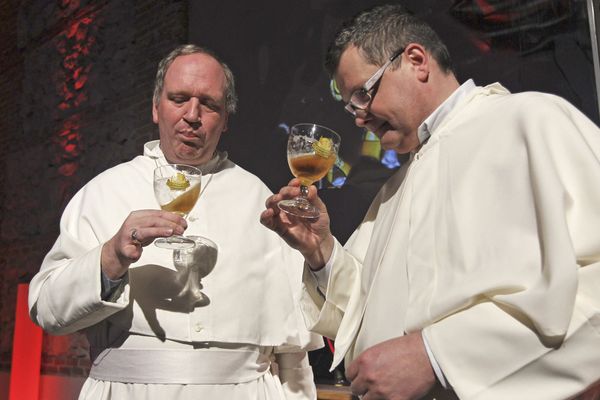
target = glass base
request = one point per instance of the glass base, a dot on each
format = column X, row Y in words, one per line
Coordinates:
column 299, row 207
column 175, row 243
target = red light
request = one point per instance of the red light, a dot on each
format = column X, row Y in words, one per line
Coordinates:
column 27, row 352
column 68, row 169
column 79, row 83
column 74, row 45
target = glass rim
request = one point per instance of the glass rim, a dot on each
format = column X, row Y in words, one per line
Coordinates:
column 174, row 166
column 320, row 126
column 169, row 170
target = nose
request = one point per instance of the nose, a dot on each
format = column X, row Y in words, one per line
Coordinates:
column 192, row 113
column 361, row 118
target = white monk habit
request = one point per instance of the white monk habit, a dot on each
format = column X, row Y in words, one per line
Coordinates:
column 489, row 242
column 146, row 342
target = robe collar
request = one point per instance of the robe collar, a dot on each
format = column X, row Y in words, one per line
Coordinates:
column 217, row 163
column 437, row 116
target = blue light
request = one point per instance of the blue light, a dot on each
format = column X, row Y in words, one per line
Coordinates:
column 285, row 127
column 339, row 181
column 390, row 159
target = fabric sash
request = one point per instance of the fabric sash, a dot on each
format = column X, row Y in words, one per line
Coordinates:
column 179, row 366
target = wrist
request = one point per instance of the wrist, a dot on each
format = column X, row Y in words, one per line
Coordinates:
column 317, row 259
column 111, row 264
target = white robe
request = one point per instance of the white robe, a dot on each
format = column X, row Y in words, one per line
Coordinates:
column 250, row 304
column 488, row 241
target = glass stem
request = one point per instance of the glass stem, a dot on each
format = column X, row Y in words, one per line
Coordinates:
column 304, row 191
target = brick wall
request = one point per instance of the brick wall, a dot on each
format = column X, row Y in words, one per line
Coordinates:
column 75, row 99
column 11, row 249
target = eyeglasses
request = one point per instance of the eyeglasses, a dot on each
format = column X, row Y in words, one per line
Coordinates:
column 361, row 98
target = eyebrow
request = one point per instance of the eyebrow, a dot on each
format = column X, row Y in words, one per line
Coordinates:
column 203, row 97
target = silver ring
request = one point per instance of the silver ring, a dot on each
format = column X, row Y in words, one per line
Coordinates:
column 134, row 237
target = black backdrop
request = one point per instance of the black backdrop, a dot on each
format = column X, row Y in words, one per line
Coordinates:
column 275, row 49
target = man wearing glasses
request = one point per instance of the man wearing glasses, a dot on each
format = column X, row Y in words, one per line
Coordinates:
column 476, row 271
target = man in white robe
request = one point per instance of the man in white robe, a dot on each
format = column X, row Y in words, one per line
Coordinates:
column 476, row 271
column 152, row 335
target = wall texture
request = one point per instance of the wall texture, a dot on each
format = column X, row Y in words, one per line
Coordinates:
column 76, row 82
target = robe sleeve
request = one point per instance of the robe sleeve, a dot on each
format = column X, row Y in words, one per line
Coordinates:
column 324, row 314
column 341, row 303
column 65, row 295
column 528, row 240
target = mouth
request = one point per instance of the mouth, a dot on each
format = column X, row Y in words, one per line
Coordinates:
column 191, row 138
column 189, row 134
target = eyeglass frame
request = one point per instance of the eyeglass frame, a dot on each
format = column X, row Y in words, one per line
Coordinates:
column 352, row 106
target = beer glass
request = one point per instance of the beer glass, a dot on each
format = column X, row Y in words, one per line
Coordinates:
column 176, row 188
column 311, row 151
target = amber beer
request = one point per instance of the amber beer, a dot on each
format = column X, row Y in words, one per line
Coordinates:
column 184, row 203
column 310, row 168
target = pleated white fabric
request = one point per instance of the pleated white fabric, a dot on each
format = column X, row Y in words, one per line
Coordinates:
column 489, row 242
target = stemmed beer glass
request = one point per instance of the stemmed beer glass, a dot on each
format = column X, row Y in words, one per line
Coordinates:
column 311, row 151
column 177, row 188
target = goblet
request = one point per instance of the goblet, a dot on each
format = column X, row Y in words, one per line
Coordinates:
column 177, row 188
column 311, row 151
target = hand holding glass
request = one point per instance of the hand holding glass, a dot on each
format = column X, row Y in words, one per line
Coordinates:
column 311, row 151
column 176, row 188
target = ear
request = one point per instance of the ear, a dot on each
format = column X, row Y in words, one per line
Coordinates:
column 419, row 59
column 226, row 123
column 155, row 112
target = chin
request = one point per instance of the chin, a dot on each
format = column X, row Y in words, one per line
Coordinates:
column 401, row 144
column 391, row 140
column 193, row 158
column 189, row 160
column 188, row 153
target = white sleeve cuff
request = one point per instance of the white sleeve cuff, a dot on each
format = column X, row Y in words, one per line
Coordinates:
column 322, row 275
column 436, row 367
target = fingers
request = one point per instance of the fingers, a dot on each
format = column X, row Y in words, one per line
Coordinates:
column 151, row 224
column 352, row 371
column 271, row 202
column 291, row 191
column 266, row 218
column 146, row 235
column 314, row 198
column 135, row 240
column 294, row 182
column 288, row 192
column 275, row 220
column 358, row 384
column 157, row 219
column 270, row 217
column 359, row 387
column 139, row 229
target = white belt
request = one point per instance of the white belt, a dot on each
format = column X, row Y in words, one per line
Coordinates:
column 178, row 366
